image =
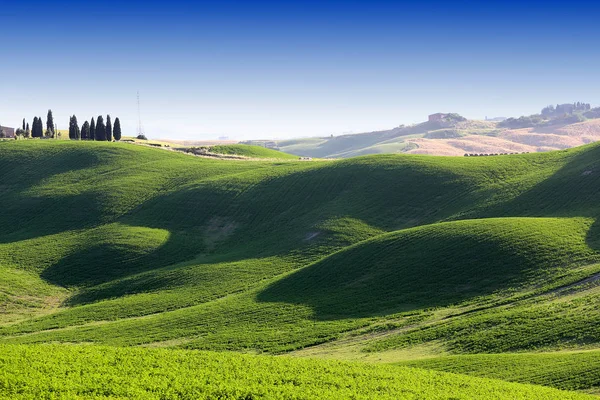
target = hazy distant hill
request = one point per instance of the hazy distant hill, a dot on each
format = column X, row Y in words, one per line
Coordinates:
column 456, row 136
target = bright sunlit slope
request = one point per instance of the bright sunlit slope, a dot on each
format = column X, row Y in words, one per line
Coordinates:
column 563, row 370
column 66, row 371
column 250, row 151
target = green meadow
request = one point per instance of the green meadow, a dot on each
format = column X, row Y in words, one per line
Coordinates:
column 473, row 273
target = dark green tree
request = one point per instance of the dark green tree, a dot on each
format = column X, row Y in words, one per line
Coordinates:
column 23, row 124
column 36, row 128
column 100, row 128
column 92, row 130
column 117, row 129
column 74, row 132
column 40, row 127
column 109, row 130
column 27, row 131
column 50, row 124
column 85, row 131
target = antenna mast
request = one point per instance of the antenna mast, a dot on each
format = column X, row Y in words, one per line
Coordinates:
column 140, row 129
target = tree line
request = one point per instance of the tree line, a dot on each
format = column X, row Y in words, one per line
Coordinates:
column 94, row 130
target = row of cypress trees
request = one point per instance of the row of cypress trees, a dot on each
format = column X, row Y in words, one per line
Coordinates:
column 89, row 131
column 95, row 130
column 37, row 127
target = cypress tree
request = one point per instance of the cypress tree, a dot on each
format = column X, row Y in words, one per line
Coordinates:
column 77, row 130
column 74, row 132
column 109, row 131
column 23, row 123
column 35, row 132
column 92, row 130
column 85, row 131
column 117, row 129
column 27, row 131
column 100, row 128
column 50, row 124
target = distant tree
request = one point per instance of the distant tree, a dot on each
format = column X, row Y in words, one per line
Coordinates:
column 100, row 128
column 454, row 117
column 27, row 131
column 40, row 127
column 77, row 130
column 37, row 128
column 74, row 132
column 109, row 130
column 142, row 137
column 117, row 129
column 50, row 124
column 2, row 134
column 34, row 127
column 85, row 131
column 92, row 130
column 23, row 125
column 548, row 111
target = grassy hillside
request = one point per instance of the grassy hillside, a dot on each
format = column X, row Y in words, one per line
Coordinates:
column 94, row 372
column 250, row 151
column 439, row 265
column 377, row 256
column 563, row 370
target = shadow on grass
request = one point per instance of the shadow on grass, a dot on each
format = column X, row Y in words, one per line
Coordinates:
column 421, row 268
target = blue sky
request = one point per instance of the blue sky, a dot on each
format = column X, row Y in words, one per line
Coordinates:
column 287, row 69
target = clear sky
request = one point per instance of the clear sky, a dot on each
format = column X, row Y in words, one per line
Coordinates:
column 285, row 69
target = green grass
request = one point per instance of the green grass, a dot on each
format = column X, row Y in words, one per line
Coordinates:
column 251, row 151
column 115, row 244
column 563, row 370
column 439, row 265
column 69, row 372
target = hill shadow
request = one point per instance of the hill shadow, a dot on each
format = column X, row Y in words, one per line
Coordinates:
column 271, row 218
column 105, row 262
column 352, row 284
column 24, row 216
column 572, row 191
column 431, row 266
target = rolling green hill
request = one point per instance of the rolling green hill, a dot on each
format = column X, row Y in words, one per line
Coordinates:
column 563, row 370
column 250, row 151
column 98, row 372
column 375, row 257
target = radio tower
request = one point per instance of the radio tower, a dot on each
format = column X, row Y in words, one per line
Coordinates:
column 140, row 130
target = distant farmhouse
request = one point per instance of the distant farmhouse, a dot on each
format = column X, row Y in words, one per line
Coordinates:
column 437, row 117
column 7, row 132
